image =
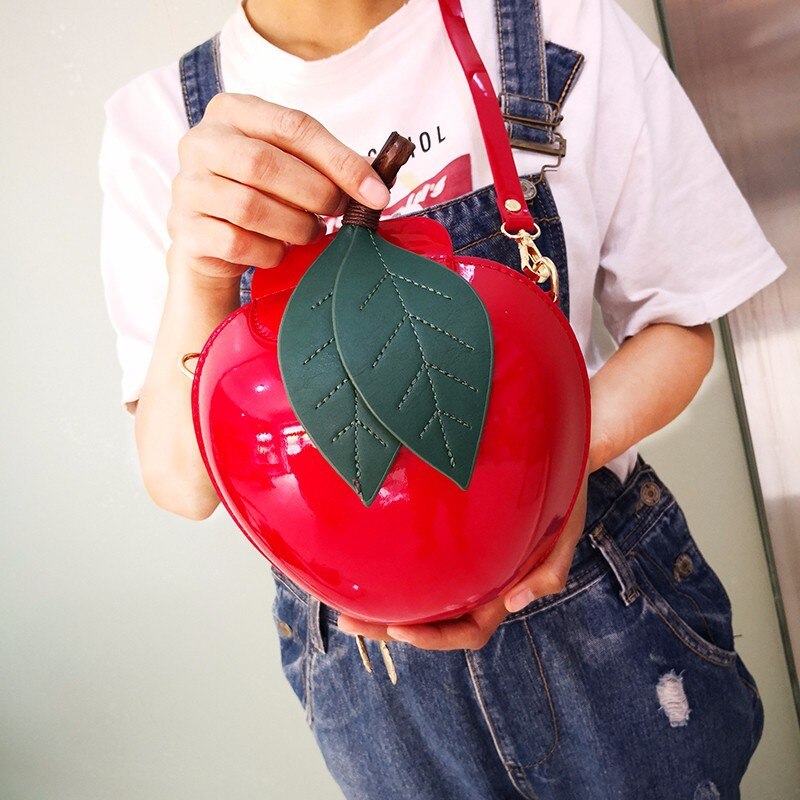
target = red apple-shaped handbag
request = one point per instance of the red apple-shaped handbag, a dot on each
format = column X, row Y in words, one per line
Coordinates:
column 400, row 430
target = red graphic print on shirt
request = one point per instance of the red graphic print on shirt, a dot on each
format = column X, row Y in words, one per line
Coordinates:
column 450, row 182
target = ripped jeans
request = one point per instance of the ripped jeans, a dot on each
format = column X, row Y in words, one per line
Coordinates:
column 626, row 685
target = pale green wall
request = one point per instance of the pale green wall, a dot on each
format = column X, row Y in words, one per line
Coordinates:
column 137, row 652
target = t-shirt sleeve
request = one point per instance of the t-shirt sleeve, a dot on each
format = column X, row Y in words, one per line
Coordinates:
column 136, row 164
column 682, row 244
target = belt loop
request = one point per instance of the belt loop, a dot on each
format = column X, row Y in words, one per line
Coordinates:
column 314, row 624
column 611, row 552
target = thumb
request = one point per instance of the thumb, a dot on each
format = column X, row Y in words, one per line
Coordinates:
column 549, row 578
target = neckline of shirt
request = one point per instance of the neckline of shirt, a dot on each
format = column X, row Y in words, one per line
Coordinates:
column 396, row 34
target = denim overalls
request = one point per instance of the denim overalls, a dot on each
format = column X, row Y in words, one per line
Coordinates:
column 625, row 685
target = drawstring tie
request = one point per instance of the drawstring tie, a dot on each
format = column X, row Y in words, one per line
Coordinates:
column 388, row 662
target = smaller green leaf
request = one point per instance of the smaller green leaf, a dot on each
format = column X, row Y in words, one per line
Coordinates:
column 415, row 340
column 321, row 393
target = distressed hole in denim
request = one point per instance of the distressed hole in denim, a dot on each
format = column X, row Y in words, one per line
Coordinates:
column 707, row 790
column 672, row 697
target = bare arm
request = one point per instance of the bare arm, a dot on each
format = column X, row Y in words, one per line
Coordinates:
column 253, row 176
column 645, row 384
column 170, row 461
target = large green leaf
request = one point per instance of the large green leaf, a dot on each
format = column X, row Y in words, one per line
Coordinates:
column 415, row 339
column 321, row 393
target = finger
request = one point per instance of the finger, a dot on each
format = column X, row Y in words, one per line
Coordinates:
column 225, row 152
column 550, row 577
column 490, row 614
column 470, row 631
column 358, row 627
column 458, row 634
column 255, row 211
column 544, row 581
column 209, row 237
column 300, row 134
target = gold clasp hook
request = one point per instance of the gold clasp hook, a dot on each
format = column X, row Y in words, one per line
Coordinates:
column 531, row 258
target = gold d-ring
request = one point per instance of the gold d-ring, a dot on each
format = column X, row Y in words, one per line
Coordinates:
column 535, row 234
column 182, row 361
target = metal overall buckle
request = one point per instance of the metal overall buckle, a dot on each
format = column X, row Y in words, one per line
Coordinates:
column 556, row 144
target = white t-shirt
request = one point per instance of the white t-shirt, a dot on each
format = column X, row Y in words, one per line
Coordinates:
column 655, row 227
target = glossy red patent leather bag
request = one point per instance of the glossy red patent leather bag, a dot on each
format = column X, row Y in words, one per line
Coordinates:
column 425, row 548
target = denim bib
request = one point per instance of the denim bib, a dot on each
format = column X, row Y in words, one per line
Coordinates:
column 536, row 76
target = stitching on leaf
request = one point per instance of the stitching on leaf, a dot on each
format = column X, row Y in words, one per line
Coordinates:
column 319, row 350
column 388, row 342
column 343, row 431
column 420, row 285
column 425, row 365
column 322, row 300
column 357, row 423
column 332, row 392
column 365, row 427
column 389, row 273
column 457, row 419
column 451, row 376
column 374, row 289
column 410, row 386
column 428, row 423
column 439, row 413
column 357, row 483
column 441, row 330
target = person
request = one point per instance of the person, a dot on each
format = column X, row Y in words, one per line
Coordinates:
column 610, row 670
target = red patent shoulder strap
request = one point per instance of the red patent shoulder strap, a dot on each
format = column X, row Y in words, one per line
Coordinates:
column 510, row 200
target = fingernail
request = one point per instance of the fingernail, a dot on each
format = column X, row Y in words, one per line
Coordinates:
column 373, row 192
column 519, row 600
column 399, row 634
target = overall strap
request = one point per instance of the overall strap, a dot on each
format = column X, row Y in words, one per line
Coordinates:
column 526, row 116
column 536, row 76
column 530, row 106
column 201, row 78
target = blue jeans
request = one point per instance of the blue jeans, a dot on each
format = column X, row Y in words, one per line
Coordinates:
column 625, row 685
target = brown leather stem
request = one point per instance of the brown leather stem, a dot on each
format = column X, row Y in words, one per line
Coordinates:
column 394, row 153
column 358, row 214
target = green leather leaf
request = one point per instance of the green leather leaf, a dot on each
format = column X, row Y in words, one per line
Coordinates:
column 320, row 392
column 415, row 339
